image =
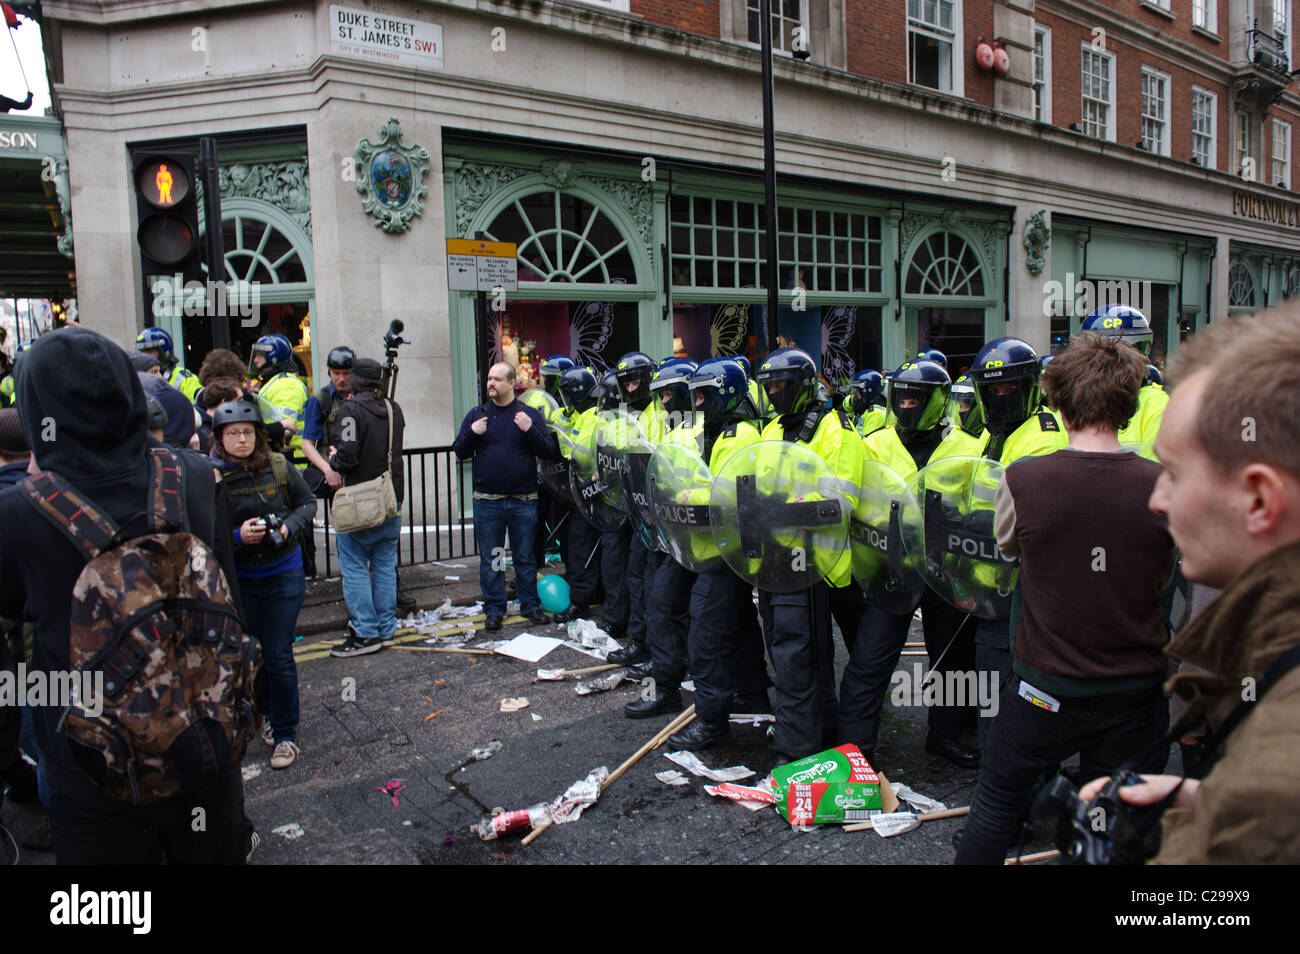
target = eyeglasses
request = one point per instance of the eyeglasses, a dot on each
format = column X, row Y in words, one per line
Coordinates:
column 241, row 434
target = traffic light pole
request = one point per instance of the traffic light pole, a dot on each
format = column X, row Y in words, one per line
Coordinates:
column 215, row 247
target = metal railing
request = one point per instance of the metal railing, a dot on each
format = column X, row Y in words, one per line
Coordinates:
column 1267, row 51
column 437, row 519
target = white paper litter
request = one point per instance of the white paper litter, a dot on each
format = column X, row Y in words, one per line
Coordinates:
column 454, row 579
column 672, row 777
column 289, row 832
column 450, row 566
column 754, row 719
column 484, row 752
column 514, row 705
column 551, row 675
column 536, row 717
column 601, row 683
column 692, row 764
column 920, row 803
column 528, row 647
column 887, row 826
column 250, row 771
column 688, row 685
column 568, row 807
column 762, row 791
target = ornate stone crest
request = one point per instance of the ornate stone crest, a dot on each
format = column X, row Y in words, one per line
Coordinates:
column 390, row 178
column 1037, row 237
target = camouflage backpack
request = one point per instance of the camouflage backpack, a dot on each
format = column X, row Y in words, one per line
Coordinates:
column 154, row 615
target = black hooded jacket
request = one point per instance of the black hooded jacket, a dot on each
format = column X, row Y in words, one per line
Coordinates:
column 83, row 411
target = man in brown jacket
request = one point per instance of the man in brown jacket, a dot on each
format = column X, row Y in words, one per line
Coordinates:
column 1231, row 491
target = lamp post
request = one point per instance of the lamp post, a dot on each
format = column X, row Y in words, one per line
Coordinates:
column 772, row 273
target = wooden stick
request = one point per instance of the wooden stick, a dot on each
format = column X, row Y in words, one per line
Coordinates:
column 928, row 816
column 667, row 730
column 441, row 649
column 529, row 838
column 658, row 739
column 1036, row 856
column 584, row 672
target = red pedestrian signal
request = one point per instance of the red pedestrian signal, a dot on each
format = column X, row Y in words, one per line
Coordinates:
column 168, row 234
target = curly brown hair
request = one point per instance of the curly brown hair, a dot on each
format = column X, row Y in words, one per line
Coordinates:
column 219, row 391
column 222, row 363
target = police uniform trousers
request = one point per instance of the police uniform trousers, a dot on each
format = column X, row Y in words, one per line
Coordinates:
column 724, row 643
column 552, row 535
column 637, row 557
column 614, row 554
column 581, row 567
column 874, row 657
column 797, row 630
column 847, row 607
column 668, row 619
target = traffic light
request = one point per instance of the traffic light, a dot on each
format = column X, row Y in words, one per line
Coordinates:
column 167, row 207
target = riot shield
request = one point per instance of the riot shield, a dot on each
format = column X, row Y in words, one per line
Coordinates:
column 947, row 530
column 554, row 474
column 888, row 578
column 780, row 516
column 614, row 431
column 588, row 486
column 679, row 483
column 636, row 489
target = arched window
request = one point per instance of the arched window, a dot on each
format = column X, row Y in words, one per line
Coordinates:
column 1241, row 286
column 945, row 264
column 564, row 238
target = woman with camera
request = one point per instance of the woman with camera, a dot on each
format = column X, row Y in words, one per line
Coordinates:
column 270, row 504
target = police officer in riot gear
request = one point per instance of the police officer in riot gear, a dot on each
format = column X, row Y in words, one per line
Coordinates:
column 919, row 393
column 864, row 400
column 797, row 626
column 319, row 415
column 579, row 390
column 667, row 583
column 158, row 343
column 724, row 643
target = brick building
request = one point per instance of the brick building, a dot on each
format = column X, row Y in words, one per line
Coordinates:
column 1132, row 149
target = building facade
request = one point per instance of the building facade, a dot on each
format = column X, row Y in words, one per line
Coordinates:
column 1130, row 151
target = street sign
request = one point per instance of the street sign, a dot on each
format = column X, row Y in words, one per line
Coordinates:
column 474, row 265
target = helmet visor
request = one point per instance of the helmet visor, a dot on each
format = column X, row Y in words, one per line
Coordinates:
column 1007, row 402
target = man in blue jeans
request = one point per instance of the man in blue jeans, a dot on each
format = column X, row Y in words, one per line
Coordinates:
column 368, row 558
column 505, row 437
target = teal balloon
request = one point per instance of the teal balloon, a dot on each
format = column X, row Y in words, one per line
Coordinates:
column 553, row 591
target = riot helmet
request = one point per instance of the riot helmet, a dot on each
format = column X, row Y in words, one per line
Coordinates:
column 1005, row 374
column 865, row 390
column 633, row 373
column 789, row 376
column 671, row 386
column 966, row 407
column 551, row 370
column 1121, row 321
column 275, row 350
column 609, row 392
column 918, row 397
column 1154, row 376
column 935, row 355
column 718, row 387
column 578, row 389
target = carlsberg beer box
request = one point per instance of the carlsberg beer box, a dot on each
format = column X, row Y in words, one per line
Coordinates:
column 834, row 787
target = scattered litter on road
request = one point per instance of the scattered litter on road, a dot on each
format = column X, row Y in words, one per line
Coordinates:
column 835, row 786
column 586, row 637
column 751, row 718
column 569, row 806
column 434, row 715
column 514, row 705
column 920, row 803
column 601, row 683
column 450, row 566
column 250, row 771
column 528, row 647
column 406, row 823
column 692, row 764
column 451, row 579
column 289, row 832
column 887, row 826
column 551, row 675
column 536, row 717
column 672, row 777
column 753, row 798
column 502, row 822
column 391, row 789
column 485, row 752
column 554, row 675
column 688, row 685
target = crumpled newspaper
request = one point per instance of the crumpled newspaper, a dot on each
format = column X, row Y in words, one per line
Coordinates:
column 586, row 637
column 601, row 683
column 569, row 806
column 895, row 823
column 919, row 803
column 672, row 777
column 692, row 764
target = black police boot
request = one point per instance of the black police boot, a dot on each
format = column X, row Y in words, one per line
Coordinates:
column 951, row 750
column 700, row 735
column 405, row 601
column 656, row 703
column 572, row 613
column 630, row 654
column 638, row 671
column 751, row 703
